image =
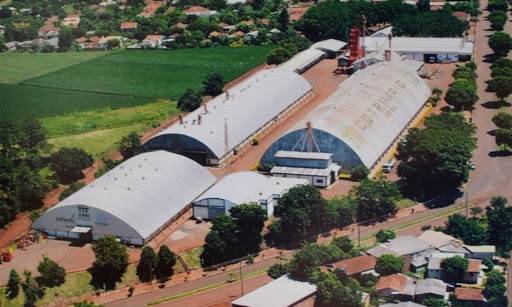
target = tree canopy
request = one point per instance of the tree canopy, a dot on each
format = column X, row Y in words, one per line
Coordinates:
column 436, row 158
column 499, row 217
column 500, row 43
column 52, row 274
column 385, row 235
column 111, row 262
column 166, row 262
column 454, row 269
column 503, row 120
column 462, row 94
column 189, row 101
column 471, row 231
column 68, row 163
column 147, row 264
column 130, row 145
column 389, row 264
column 214, row 84
column 375, row 199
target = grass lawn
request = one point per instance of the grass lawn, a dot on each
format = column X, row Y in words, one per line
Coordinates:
column 405, row 203
column 17, row 66
column 19, row 101
column 191, row 257
column 98, row 132
column 154, row 73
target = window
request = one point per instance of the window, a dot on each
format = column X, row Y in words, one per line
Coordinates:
column 83, row 209
column 319, row 180
column 83, row 216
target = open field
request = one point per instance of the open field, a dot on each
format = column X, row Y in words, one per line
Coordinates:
column 150, row 73
column 17, row 67
column 23, row 101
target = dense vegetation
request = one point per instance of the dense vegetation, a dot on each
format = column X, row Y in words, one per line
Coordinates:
column 333, row 19
column 436, row 158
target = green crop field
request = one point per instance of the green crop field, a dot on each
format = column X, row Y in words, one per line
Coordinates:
column 153, row 73
column 20, row 101
column 16, row 67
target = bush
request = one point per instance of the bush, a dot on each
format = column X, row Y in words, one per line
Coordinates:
column 278, row 56
column 189, row 101
column 130, row 145
column 359, row 172
column 214, row 85
column 277, row 270
column 385, row 235
column 389, row 264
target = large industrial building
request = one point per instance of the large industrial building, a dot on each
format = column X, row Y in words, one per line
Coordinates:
column 306, row 59
column 243, row 188
column 426, row 49
column 226, row 125
column 133, row 202
column 359, row 122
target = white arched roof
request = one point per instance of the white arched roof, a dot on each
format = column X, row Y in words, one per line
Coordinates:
column 246, row 108
column 145, row 191
column 371, row 108
column 249, row 187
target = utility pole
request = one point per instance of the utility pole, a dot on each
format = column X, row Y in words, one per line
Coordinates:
column 467, row 206
column 358, row 235
column 241, row 278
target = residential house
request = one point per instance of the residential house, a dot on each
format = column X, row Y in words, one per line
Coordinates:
column 129, row 25
column 396, row 286
column 238, row 34
column 462, row 16
column 481, row 251
column 180, row 25
column 430, row 288
column 49, row 30
column 151, row 8
column 473, row 271
column 152, row 41
column 103, row 42
column 251, row 35
column 401, row 246
column 71, row 21
column 437, row 239
column 470, row 296
column 2, row 30
column 435, row 269
column 200, row 11
column 355, row 267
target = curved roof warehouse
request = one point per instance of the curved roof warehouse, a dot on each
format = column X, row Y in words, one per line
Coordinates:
column 362, row 118
column 133, row 201
column 229, row 121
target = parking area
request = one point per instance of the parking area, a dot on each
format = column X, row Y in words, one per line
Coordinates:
column 189, row 235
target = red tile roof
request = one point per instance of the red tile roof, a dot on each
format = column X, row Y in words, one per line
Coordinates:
column 469, row 294
column 356, row 265
column 196, row 9
column 396, row 282
column 474, row 265
column 128, row 25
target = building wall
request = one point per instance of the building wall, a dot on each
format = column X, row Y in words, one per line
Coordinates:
column 317, row 181
column 177, row 143
column 308, row 163
column 60, row 221
column 213, row 207
column 342, row 153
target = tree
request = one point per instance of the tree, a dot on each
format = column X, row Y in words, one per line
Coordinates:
column 470, row 231
column 31, row 289
column 499, row 219
column 214, row 84
column 500, row 43
column 501, row 71
column 504, row 138
column 85, row 304
column 503, row 120
column 111, row 262
column 436, row 158
column 376, row 199
column 385, row 235
column 52, row 274
column 250, row 219
column 344, row 243
column 495, row 289
column 331, row 291
column 454, row 269
column 189, row 101
column 166, row 262
column 435, row 302
column 68, row 163
column 423, row 5
column 113, row 44
column 359, row 172
column 341, row 211
column 13, row 285
column 130, row 145
column 73, row 187
column 305, row 260
column 389, row 264
column 500, row 85
column 475, row 211
column 498, row 20
column 501, row 63
column 278, row 56
column 65, row 38
column 277, row 270
column 461, row 94
column 283, row 19
column 497, row 5
column 147, row 264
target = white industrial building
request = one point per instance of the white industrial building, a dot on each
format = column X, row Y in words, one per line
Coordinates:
column 426, row 49
column 133, row 201
column 281, row 292
column 242, row 188
column 360, row 121
column 227, row 124
column 330, row 46
column 303, row 60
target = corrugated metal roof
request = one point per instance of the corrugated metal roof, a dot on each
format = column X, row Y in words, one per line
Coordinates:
column 302, row 170
column 371, row 108
column 332, row 45
column 145, row 191
column 248, row 107
column 401, row 246
column 302, row 59
column 281, row 292
column 303, row 155
column 249, row 187
column 454, row 45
